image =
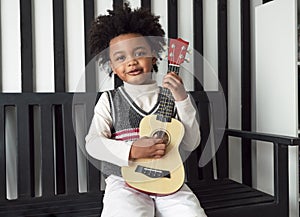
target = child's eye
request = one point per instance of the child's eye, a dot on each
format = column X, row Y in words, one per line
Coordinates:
column 140, row 53
column 120, row 58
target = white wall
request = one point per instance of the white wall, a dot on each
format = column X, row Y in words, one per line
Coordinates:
column 75, row 50
column 10, row 42
column 43, row 48
column 210, row 45
column 185, row 31
column 277, row 89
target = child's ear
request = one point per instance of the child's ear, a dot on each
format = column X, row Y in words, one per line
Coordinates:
column 154, row 65
column 112, row 67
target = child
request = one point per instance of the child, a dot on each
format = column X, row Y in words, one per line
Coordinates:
column 113, row 136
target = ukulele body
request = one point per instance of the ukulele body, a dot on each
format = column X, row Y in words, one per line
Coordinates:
column 158, row 176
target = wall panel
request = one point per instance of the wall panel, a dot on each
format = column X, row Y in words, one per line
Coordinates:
column 277, row 88
column 11, row 44
column 75, row 49
column 43, row 46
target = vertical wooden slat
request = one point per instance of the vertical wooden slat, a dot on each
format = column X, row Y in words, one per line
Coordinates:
column 93, row 178
column 26, row 45
column 191, row 168
column 172, row 19
column 223, row 46
column 93, row 173
column 117, row 81
column 1, row 72
column 90, row 69
column 59, row 150
column 117, row 3
column 89, row 16
column 47, row 151
column 146, row 4
column 25, row 173
column 194, row 171
column 206, row 118
column 281, row 178
column 59, row 45
column 2, row 154
column 32, row 158
column 223, row 78
column 83, row 111
column 246, row 89
column 70, row 150
column 198, row 44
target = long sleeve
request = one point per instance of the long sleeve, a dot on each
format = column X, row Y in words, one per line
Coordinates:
column 101, row 147
column 190, row 119
column 98, row 142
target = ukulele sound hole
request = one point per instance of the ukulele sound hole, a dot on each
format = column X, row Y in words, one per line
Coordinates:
column 162, row 134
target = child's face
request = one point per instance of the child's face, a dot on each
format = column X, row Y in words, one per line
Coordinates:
column 131, row 58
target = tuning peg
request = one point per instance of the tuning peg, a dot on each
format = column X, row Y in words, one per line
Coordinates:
column 165, row 47
column 187, row 60
column 164, row 56
column 189, row 51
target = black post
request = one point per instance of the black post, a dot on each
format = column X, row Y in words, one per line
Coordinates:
column 246, row 89
column 26, row 45
column 59, row 45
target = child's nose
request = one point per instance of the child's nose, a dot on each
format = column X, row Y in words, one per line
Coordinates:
column 132, row 62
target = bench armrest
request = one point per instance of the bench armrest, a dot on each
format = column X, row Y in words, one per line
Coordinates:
column 279, row 139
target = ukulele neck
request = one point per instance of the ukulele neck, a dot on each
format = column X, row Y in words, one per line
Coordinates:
column 166, row 109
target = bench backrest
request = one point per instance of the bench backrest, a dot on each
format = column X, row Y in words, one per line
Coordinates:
column 48, row 152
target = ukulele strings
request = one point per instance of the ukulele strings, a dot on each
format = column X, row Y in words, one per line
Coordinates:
column 173, row 66
column 170, row 69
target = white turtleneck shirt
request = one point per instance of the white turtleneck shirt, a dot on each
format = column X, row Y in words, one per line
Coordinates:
column 99, row 144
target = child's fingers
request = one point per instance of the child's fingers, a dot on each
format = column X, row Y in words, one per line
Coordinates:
column 172, row 82
column 147, row 141
column 173, row 76
column 159, row 146
column 159, row 150
column 159, row 154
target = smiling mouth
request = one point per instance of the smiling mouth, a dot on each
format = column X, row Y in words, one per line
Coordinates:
column 134, row 72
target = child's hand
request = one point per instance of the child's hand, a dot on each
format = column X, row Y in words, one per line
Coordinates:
column 174, row 83
column 147, row 147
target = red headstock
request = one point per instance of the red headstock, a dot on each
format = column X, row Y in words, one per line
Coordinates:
column 177, row 51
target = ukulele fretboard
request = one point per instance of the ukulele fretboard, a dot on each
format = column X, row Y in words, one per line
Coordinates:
column 166, row 108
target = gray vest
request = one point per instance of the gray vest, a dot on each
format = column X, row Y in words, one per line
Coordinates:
column 126, row 116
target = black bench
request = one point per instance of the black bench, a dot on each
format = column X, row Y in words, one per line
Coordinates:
column 47, row 161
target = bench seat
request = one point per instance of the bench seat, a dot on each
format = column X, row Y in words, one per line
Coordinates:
column 226, row 193
column 49, row 117
column 82, row 204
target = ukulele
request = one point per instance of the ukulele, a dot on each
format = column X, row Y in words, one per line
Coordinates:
column 165, row 175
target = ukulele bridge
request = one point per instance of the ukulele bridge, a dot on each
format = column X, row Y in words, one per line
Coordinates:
column 153, row 173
